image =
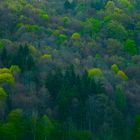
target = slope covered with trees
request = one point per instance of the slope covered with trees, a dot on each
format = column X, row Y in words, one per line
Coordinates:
column 69, row 70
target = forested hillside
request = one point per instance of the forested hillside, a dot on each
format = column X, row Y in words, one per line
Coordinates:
column 69, row 69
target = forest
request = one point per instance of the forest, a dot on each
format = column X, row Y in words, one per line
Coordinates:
column 69, row 70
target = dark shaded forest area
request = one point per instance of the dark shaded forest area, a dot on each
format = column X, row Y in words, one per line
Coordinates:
column 69, row 70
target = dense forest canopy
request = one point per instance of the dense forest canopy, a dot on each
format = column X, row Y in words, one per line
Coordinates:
column 69, row 70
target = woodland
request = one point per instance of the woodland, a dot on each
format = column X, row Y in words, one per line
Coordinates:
column 69, row 69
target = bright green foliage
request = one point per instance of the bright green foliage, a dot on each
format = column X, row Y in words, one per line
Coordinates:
column 137, row 128
column 119, row 72
column 43, row 15
column 61, row 38
column 91, row 26
column 75, row 35
column 14, row 128
column 15, row 118
column 3, row 94
column 122, row 75
column 45, row 128
column 95, row 72
column 130, row 46
column 66, row 20
column 46, row 56
column 6, row 78
column 120, row 98
column 96, row 25
column 5, row 70
column 115, row 68
column 15, row 68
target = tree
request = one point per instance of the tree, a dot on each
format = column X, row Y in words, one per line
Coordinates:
column 126, row 5
column 24, row 58
column 15, row 69
column 120, row 98
column 14, row 128
column 83, row 135
column 4, row 57
column 96, row 25
column 46, row 56
column 91, row 27
column 110, row 6
column 122, row 75
column 115, row 68
column 6, row 78
column 8, row 131
column 54, row 80
column 69, row 4
column 76, row 36
column 98, row 4
column 130, row 47
column 95, row 72
column 3, row 97
column 116, row 30
column 136, row 131
column 43, row 15
column 3, row 94
column 45, row 128
column 61, row 39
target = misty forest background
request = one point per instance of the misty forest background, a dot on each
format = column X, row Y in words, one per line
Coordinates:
column 69, row 69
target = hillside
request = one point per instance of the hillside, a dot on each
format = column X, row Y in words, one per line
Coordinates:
column 69, row 70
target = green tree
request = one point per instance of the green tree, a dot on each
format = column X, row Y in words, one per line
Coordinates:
column 61, row 39
column 69, row 4
column 3, row 97
column 116, row 30
column 115, row 68
column 24, row 58
column 122, row 75
column 91, row 26
column 83, row 135
column 75, row 36
column 6, row 78
column 14, row 128
column 120, row 98
column 95, row 72
column 45, row 128
column 130, row 47
column 98, row 4
column 136, row 131
column 15, row 69
column 8, row 131
column 3, row 94
column 4, row 57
